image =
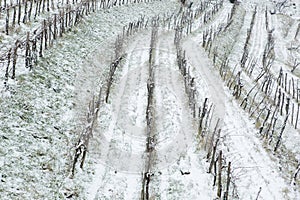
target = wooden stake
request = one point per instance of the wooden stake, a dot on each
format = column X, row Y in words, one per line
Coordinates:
column 280, row 135
column 7, row 21
column 8, row 63
column 30, row 9
column 296, row 122
column 19, row 12
column 55, row 27
column 25, row 12
column 41, row 44
column 228, row 181
column 27, row 61
column 15, row 55
column 45, row 33
column 220, row 175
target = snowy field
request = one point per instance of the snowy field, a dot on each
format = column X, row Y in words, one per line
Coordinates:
column 198, row 100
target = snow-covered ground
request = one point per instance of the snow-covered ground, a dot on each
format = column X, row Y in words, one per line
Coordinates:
column 43, row 112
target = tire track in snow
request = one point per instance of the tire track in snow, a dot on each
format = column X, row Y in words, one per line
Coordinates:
column 123, row 152
column 170, row 100
column 219, row 18
column 176, row 133
column 253, row 167
column 239, row 138
column 257, row 43
column 207, row 80
column 127, row 120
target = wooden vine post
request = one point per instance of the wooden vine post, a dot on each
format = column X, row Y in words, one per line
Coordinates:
column 220, row 175
column 8, row 63
column 27, row 51
column 45, row 33
column 7, row 21
column 15, row 56
column 228, row 181
column 41, row 36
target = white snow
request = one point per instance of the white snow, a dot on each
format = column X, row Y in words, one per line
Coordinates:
column 43, row 112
